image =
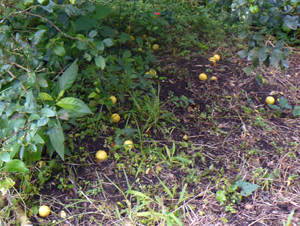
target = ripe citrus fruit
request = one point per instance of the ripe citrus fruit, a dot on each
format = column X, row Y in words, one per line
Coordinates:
column 101, row 155
column 128, row 144
column 114, row 99
column 155, row 47
column 212, row 59
column 203, row 77
column 217, row 57
column 44, row 211
column 116, row 118
column 270, row 100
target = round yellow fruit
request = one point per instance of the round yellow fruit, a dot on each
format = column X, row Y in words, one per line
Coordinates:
column 155, row 47
column 114, row 99
column 270, row 100
column 132, row 38
column 217, row 57
column 128, row 144
column 144, row 36
column 203, row 77
column 44, row 211
column 116, row 118
column 101, row 155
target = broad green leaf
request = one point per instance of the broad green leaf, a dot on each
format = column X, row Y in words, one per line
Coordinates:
column 99, row 45
column 284, row 103
column 101, row 12
column 108, row 32
column 38, row 36
column 253, row 54
column 296, row 111
column 221, row 196
column 139, row 41
column 108, row 42
column 42, row 121
column 287, row 51
column 93, row 33
column 5, row 157
column 59, row 50
column 41, row 82
column 243, row 34
column 81, row 45
column 68, row 78
column 33, row 117
column 17, row 124
column 279, row 45
column 30, row 105
column 45, row 96
column 47, row 112
column 247, row 188
column 242, row 54
column 264, row 18
column 85, row 23
column 258, row 37
column 263, row 54
column 57, row 139
column 248, row 70
column 126, row 55
column 100, row 62
column 16, row 166
column 291, row 21
column 93, row 95
column 124, row 37
column 259, row 79
column 74, row 104
column 37, row 138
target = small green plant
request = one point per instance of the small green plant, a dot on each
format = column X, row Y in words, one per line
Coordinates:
column 283, row 103
column 233, row 194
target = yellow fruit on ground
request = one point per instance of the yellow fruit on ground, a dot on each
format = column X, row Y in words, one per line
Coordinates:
column 128, row 144
column 217, row 57
column 114, row 99
column 101, row 155
column 155, row 47
column 203, row 77
column 44, row 211
column 116, row 118
column 212, row 59
column 270, row 100
column 214, row 78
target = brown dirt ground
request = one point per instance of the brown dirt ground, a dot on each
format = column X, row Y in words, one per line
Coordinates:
column 235, row 142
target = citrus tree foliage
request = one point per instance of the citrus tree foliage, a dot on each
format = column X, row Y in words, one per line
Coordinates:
column 262, row 20
column 42, row 45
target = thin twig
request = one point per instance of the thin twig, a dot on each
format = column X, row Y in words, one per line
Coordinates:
column 52, row 24
column 13, row 76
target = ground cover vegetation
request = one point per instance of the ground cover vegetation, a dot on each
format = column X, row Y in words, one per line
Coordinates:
column 149, row 112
